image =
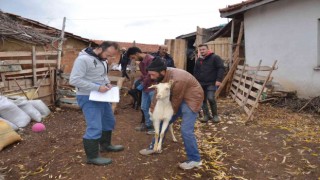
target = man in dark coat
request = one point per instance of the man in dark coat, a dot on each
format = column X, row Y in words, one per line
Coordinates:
column 209, row 71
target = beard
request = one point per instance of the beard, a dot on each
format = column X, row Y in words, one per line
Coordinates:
column 100, row 56
column 160, row 78
column 140, row 58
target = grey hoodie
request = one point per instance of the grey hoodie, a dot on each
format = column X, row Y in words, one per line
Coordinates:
column 88, row 73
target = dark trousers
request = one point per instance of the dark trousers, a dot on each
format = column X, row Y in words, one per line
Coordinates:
column 209, row 91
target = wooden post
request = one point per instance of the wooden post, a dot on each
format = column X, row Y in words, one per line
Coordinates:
column 34, row 65
column 61, row 43
column 231, row 43
column 234, row 65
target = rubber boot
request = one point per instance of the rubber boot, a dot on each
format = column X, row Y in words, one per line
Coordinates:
column 214, row 111
column 205, row 113
column 91, row 148
column 105, row 143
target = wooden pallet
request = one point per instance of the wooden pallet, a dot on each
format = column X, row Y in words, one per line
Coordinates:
column 248, row 85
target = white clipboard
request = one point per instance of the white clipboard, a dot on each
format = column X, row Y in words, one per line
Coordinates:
column 112, row 95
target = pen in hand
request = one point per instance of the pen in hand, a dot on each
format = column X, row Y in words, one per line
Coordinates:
column 103, row 88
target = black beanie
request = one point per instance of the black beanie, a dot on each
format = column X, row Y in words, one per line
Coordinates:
column 157, row 65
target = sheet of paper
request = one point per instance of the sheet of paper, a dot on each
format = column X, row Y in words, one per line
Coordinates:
column 110, row 96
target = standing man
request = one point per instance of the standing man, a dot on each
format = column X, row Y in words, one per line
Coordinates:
column 135, row 54
column 89, row 73
column 209, row 71
column 125, row 61
column 163, row 54
column 186, row 99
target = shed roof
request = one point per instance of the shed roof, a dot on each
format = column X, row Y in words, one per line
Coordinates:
column 10, row 28
column 44, row 29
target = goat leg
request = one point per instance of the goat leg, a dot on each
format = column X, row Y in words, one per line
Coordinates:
column 156, row 125
column 163, row 129
column 172, row 133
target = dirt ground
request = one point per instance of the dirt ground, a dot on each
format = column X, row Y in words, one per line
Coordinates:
column 279, row 144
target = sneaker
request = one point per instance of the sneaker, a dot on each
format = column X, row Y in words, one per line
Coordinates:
column 142, row 127
column 146, row 152
column 215, row 119
column 190, row 165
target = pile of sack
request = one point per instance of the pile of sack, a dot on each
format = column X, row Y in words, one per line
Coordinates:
column 17, row 112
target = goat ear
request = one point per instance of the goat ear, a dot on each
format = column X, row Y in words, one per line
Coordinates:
column 171, row 82
column 153, row 86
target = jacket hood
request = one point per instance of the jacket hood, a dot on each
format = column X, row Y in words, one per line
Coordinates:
column 89, row 52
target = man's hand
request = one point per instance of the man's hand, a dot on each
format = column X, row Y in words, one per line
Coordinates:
column 103, row 88
column 218, row 83
column 109, row 86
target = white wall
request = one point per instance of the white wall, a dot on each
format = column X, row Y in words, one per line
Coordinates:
column 287, row 31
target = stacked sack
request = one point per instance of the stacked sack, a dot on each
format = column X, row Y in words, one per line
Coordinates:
column 20, row 112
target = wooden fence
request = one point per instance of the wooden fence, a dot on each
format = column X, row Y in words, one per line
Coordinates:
column 29, row 73
column 220, row 47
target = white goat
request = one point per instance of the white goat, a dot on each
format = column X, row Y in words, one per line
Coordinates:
column 163, row 111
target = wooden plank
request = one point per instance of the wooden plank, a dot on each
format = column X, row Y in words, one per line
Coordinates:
column 25, row 71
column 180, row 56
column 258, row 78
column 23, row 77
column 64, row 105
column 252, row 82
column 245, row 90
column 246, row 109
column 34, row 65
column 250, row 68
column 15, row 53
column 260, row 92
column 27, row 61
column 234, row 65
column 27, row 53
column 10, row 68
column 64, row 92
column 3, row 80
column 258, row 86
column 68, row 100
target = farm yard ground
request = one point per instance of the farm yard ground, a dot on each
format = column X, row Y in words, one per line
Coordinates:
column 279, row 144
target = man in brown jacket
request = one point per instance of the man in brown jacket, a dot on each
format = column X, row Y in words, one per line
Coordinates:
column 186, row 99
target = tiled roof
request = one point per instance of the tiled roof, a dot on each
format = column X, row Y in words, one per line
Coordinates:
column 243, row 6
column 148, row 48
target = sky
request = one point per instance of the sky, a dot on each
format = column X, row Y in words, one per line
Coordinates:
column 143, row 21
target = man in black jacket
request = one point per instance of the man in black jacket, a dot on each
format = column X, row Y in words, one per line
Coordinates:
column 163, row 54
column 209, row 71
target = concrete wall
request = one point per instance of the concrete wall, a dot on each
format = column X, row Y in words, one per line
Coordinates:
column 287, row 31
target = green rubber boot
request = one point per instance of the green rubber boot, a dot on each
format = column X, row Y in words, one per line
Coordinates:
column 105, row 143
column 206, row 113
column 91, row 148
column 214, row 111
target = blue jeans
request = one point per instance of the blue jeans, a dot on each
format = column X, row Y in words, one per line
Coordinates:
column 187, row 131
column 145, row 105
column 98, row 115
